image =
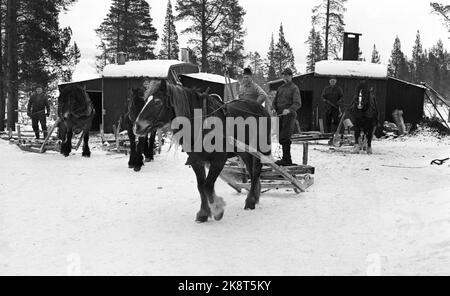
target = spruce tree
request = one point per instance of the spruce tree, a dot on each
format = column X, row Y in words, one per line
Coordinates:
column 127, row 28
column 271, row 74
column 316, row 50
column 376, row 58
column 45, row 50
column 329, row 15
column 209, row 20
column 398, row 66
column 418, row 61
column 231, row 40
column 170, row 48
column 284, row 55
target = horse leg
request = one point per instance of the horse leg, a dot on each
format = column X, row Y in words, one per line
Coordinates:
column 254, row 169
column 205, row 212
column 216, row 203
column 357, row 148
column 66, row 148
column 139, row 159
column 150, row 148
column 369, row 134
column 132, row 138
column 86, row 150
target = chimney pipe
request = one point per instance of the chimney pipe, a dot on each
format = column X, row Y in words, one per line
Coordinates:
column 121, row 58
column 351, row 46
column 185, row 55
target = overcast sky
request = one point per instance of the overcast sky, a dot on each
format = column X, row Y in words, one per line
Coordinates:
column 379, row 22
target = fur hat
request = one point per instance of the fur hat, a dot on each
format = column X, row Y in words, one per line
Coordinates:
column 248, row 71
column 288, row 71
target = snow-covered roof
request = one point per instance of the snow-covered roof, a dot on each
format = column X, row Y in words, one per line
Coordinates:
column 146, row 68
column 351, row 69
column 88, row 78
column 209, row 77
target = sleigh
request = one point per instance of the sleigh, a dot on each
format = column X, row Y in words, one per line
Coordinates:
column 297, row 178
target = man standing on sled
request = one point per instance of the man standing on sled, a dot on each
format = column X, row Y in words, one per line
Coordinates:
column 287, row 102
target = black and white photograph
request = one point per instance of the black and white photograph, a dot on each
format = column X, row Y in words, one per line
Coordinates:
column 224, row 138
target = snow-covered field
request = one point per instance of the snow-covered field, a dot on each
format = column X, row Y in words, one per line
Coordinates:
column 386, row 214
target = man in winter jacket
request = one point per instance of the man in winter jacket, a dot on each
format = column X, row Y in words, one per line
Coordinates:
column 287, row 102
column 38, row 111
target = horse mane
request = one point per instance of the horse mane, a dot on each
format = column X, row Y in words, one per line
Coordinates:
column 75, row 100
column 184, row 100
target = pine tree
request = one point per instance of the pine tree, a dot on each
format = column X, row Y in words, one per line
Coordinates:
column 12, row 71
column 45, row 50
column 127, row 28
column 376, row 58
column 329, row 15
column 418, row 61
column 284, row 56
column 271, row 74
column 38, row 50
column 209, row 20
column 437, row 68
column 2, row 72
column 398, row 66
column 316, row 50
column 170, row 48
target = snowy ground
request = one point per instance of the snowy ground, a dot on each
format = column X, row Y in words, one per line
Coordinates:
column 364, row 215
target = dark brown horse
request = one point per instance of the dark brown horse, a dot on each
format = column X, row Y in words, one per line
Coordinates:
column 145, row 146
column 364, row 114
column 183, row 105
column 76, row 112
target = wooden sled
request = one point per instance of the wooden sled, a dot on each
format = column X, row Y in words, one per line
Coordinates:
column 273, row 177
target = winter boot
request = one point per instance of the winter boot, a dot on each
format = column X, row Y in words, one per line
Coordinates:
column 37, row 135
column 287, row 159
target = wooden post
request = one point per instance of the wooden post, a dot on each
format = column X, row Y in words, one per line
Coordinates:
column 435, row 108
column 322, row 129
column 49, row 135
column 305, row 153
column 102, row 133
column 19, row 134
column 80, row 140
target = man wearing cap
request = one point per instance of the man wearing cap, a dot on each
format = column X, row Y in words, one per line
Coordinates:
column 287, row 102
column 251, row 91
column 332, row 97
column 37, row 107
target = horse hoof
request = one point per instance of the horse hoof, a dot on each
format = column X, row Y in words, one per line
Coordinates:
column 369, row 151
column 86, row 155
column 219, row 216
column 137, row 169
column 149, row 159
column 131, row 166
column 250, row 207
column 201, row 219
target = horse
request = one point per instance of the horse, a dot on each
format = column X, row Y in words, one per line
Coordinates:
column 364, row 114
column 146, row 145
column 76, row 112
column 177, row 102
